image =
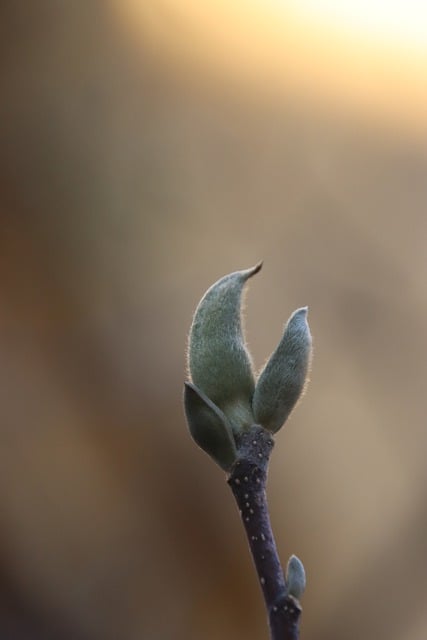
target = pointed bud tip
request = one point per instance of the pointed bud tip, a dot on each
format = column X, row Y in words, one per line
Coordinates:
column 294, row 560
column 298, row 318
column 302, row 311
column 248, row 273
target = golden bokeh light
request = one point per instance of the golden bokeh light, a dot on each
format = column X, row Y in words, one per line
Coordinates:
column 358, row 56
column 397, row 24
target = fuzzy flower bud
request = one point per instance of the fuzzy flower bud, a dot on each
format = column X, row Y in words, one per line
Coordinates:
column 221, row 399
column 283, row 378
column 218, row 360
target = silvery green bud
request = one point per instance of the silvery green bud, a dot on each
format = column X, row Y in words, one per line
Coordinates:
column 209, row 427
column 282, row 380
column 218, row 360
column 295, row 577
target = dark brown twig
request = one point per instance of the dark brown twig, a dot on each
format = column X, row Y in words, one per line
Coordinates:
column 248, row 480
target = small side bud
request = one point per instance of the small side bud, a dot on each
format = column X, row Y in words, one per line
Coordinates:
column 283, row 378
column 209, row 427
column 218, row 360
column 295, row 577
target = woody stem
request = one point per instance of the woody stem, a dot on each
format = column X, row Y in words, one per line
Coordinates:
column 248, row 480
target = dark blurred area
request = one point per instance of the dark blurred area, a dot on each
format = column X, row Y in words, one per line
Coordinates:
column 131, row 178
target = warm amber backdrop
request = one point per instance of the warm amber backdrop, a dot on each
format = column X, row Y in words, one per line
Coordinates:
column 137, row 167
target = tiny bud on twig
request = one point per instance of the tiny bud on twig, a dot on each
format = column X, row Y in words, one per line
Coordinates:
column 295, row 577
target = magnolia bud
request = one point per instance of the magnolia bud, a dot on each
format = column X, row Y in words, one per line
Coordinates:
column 295, row 577
column 218, row 360
column 282, row 380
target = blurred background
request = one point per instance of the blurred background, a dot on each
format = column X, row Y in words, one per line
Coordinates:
column 146, row 149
